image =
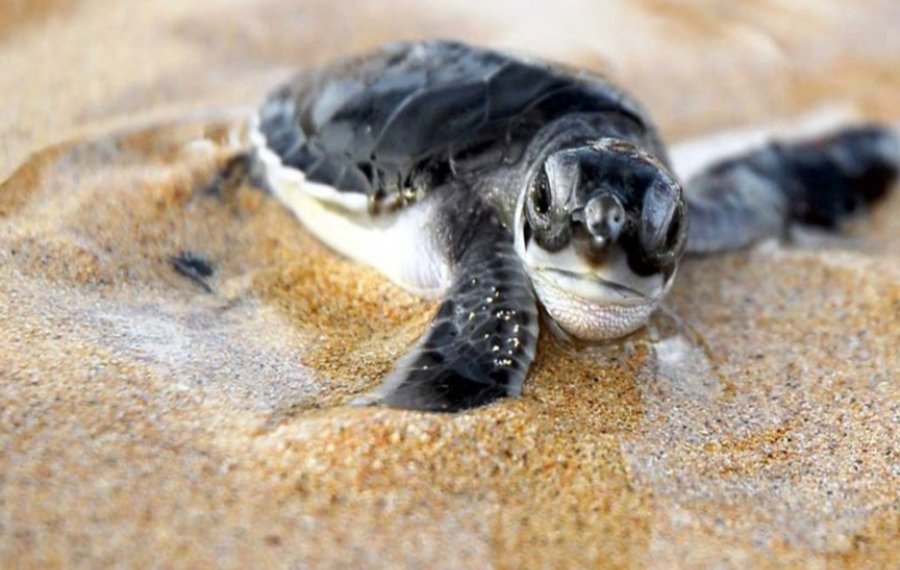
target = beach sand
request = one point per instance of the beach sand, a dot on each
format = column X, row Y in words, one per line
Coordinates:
column 152, row 420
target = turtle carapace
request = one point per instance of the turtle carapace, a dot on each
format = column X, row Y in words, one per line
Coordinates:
column 502, row 184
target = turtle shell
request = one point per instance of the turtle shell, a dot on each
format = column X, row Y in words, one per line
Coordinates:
column 410, row 116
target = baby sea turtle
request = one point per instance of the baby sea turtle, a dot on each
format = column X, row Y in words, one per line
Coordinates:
column 502, row 184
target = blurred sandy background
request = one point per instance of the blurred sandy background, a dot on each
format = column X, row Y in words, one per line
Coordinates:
column 146, row 421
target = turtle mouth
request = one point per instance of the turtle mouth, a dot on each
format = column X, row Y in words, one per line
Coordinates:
column 611, row 281
column 592, row 287
column 594, row 302
column 592, row 308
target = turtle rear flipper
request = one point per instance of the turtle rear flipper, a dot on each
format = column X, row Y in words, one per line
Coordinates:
column 482, row 340
column 819, row 182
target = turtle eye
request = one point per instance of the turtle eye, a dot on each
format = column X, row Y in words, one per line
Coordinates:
column 662, row 226
column 539, row 201
column 676, row 236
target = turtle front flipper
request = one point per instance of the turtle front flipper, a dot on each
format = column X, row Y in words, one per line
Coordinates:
column 482, row 340
column 819, row 181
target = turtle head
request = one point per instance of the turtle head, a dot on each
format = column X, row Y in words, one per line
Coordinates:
column 601, row 228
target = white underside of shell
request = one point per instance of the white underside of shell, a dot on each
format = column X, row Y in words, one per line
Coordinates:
column 401, row 245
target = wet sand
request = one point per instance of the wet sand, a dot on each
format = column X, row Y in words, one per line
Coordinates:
column 148, row 419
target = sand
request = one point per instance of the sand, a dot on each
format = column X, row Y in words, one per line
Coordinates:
column 151, row 420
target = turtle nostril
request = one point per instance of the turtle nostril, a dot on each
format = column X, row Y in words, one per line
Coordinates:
column 615, row 218
column 604, row 217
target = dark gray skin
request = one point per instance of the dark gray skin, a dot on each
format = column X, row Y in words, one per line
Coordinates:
column 487, row 133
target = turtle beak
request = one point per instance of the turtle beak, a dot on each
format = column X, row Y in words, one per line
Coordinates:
column 601, row 221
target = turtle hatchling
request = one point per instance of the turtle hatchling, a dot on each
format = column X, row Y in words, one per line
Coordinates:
column 512, row 188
